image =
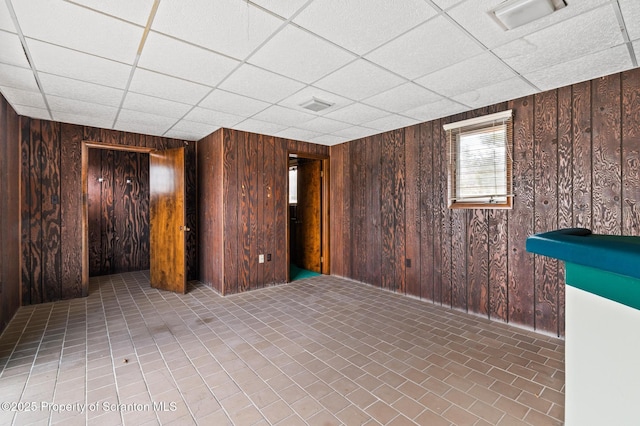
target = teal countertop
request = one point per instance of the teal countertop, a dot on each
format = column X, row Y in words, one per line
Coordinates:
column 606, row 265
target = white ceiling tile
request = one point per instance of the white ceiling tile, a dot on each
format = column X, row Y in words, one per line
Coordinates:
column 425, row 49
column 78, row 28
column 283, row 8
column 391, row 122
column 232, row 103
column 214, row 118
column 23, row 97
column 141, row 127
column 474, row 17
column 636, row 48
column 585, row 68
column 133, row 11
column 11, row 50
column 257, row 126
column 294, row 101
column 298, row 134
column 299, row 55
column 631, row 13
column 231, row 27
column 323, row 125
column 329, row 140
column 157, row 124
column 503, row 91
column 85, row 120
column 32, row 112
column 588, row 33
column 358, row 80
column 471, row 74
column 80, row 66
column 80, row 90
column 6, row 23
column 446, row 4
column 153, row 105
column 260, row 84
column 18, row 78
column 281, row 115
column 355, row 132
column 166, row 87
column 190, row 130
column 179, row 59
column 73, row 106
column 363, row 25
column 357, row 113
column 402, row 98
column 439, row 109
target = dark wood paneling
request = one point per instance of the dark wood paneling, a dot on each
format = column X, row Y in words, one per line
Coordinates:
column 424, row 139
column 358, row 176
column 436, row 203
column 631, row 153
column 10, row 151
column 445, row 225
column 387, row 224
column 498, row 265
column 582, row 169
column 277, row 178
column 94, row 206
column 231, row 192
column 339, row 244
column 413, row 217
column 399, row 205
column 245, row 203
column 192, row 206
column 35, row 212
column 372, row 234
column 268, row 217
column 546, row 206
column 606, row 190
column 71, row 210
column 478, row 261
column 25, row 209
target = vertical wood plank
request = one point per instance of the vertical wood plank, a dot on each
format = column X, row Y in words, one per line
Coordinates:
column 458, row 259
column 337, row 212
column 387, row 225
column 35, row 213
column 278, row 185
column 582, row 153
column 413, row 234
column 631, row 153
column 478, row 261
column 372, row 213
column 25, row 209
column 546, row 206
column 191, row 190
column 399, row 219
column 244, row 207
column 606, row 190
column 269, row 229
column 107, row 229
column 565, row 186
column 255, row 164
column 437, row 203
column 426, row 201
column 498, row 265
column 446, row 223
column 358, row 204
column 261, row 244
column 230, row 196
column 520, row 225
column 94, row 209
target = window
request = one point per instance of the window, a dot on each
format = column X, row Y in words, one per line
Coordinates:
column 293, row 185
column 480, row 162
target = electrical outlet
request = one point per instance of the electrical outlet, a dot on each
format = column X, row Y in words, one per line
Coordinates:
column 269, row 257
column 261, row 258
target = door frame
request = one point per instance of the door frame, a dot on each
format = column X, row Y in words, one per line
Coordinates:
column 325, row 266
column 86, row 145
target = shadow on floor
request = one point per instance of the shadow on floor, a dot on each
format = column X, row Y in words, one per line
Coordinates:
column 296, row 273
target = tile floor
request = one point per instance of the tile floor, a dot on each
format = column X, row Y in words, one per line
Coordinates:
column 320, row 351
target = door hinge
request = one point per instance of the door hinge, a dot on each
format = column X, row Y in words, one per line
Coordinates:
column 321, row 173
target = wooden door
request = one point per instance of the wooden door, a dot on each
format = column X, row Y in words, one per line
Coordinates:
column 309, row 215
column 167, row 220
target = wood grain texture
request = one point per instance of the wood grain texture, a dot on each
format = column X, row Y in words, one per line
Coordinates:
column 308, row 230
column 268, row 206
column 631, row 153
column 426, row 200
column 255, row 163
column 10, row 212
column 25, row 209
column 546, row 206
column 244, row 207
column 445, row 225
column 412, row 211
column 358, row 204
column 387, row 224
column 498, row 243
column 606, row 190
column 35, row 212
column 582, row 167
column 278, row 188
column 107, row 216
column 94, row 204
column 339, row 243
column 438, row 194
column 70, row 213
column 167, row 218
column 372, row 230
column 478, row 261
column 565, row 186
column 231, row 192
column 520, row 226
column 192, row 207
column 399, row 204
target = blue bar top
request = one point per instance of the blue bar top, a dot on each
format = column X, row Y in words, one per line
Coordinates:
column 612, row 253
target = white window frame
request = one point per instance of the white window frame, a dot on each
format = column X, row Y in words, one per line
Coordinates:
column 456, row 132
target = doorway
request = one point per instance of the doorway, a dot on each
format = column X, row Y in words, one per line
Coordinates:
column 166, row 207
column 308, row 217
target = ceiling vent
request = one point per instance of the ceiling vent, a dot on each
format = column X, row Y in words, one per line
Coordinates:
column 316, row 104
column 515, row 13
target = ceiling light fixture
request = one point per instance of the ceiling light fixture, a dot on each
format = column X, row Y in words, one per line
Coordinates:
column 316, row 104
column 515, row 13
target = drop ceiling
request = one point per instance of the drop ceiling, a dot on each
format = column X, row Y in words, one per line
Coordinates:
column 184, row 68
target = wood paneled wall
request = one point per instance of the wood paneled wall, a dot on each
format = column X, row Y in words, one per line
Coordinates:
column 243, row 202
column 118, row 211
column 52, row 200
column 9, row 213
column 576, row 163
